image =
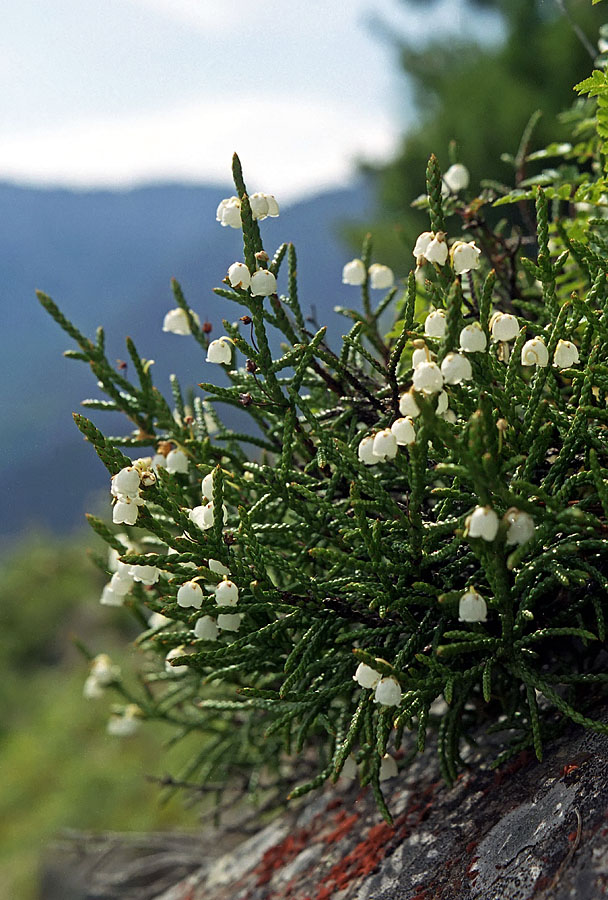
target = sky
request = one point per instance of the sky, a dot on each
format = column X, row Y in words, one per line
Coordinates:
column 111, row 93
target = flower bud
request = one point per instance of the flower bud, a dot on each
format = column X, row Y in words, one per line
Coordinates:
column 219, row 351
column 464, row 256
column 472, row 607
column 473, row 338
column 354, row 272
column 534, row 353
column 435, row 324
column 427, row 378
column 190, row 594
column 366, row 676
column 482, row 523
column 388, row 692
column 566, row 355
column 404, row 431
column 381, row 277
column 456, row 368
column 385, row 444
column 239, row 276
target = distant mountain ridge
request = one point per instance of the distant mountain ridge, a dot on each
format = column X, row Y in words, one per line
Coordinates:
column 107, row 257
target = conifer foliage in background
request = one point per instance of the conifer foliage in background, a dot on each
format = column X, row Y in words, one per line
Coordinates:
column 413, row 537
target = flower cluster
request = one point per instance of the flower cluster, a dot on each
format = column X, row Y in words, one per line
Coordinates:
column 262, row 205
column 378, row 276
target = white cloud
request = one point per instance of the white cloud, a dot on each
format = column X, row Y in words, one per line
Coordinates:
column 290, row 146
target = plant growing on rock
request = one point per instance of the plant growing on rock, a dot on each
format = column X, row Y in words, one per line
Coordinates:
column 413, row 532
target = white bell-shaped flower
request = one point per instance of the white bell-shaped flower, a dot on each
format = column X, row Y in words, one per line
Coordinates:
column 388, row 692
column 504, row 327
column 239, row 275
column 385, row 444
column 229, row 622
column 190, row 594
column 259, row 205
column 421, row 355
column 442, row 403
column 465, row 256
column 408, row 405
column 422, row 242
column 566, row 355
column 120, row 585
column 388, row 768
column 176, row 321
column 204, row 516
column 177, row 462
column 473, row 338
column 273, row 206
column 145, row 574
column 171, row 655
column 366, row 676
column 427, row 378
column 159, row 462
column 354, row 272
column 127, row 724
column 109, row 598
column 381, row 277
column 449, row 416
column 207, row 486
column 456, row 368
column 263, row 283
column 482, row 523
column 534, row 353
column 455, row 179
column 472, row 607
column 125, row 510
column 220, row 351
column 521, row 526
column 126, row 482
column 205, row 629
column 92, row 689
column 229, row 212
column 404, row 431
column 437, row 250
column 103, row 670
column 217, row 567
column 365, row 451
column 226, row 594
column 435, row 323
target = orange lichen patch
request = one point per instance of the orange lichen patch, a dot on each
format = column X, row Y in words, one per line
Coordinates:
column 345, row 824
column 361, row 861
column 278, row 856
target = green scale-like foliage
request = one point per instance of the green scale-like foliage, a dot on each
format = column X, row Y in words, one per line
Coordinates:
column 339, row 563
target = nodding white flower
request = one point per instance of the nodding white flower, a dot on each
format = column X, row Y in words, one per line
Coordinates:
column 259, row 205
column 421, row 355
column 385, row 444
column 472, row 607
column 422, row 242
column 177, row 462
column 437, row 250
column 449, row 416
column 120, row 585
column 190, row 594
column 404, row 431
column 435, row 323
column 171, row 655
column 427, row 378
column 176, row 321
column 205, row 629
column 229, row 212
column 204, row 516
column 388, row 768
column 408, row 405
column 521, row 526
column 473, row 338
column 388, row 692
column 158, row 462
column 145, row 574
column 126, row 724
column 464, row 256
column 534, row 353
column 273, row 206
column 263, row 283
column 126, row 482
column 566, row 355
column 229, row 622
column 504, row 327
column 217, row 567
column 482, row 523
column 125, row 510
column 442, row 403
column 366, row 451
column 103, row 670
column 207, row 486
column 239, row 275
column 220, row 351
column 157, row 620
column 380, row 277
column 455, row 179
column 366, row 676
column 456, row 368
column 109, row 598
column 92, row 689
column 226, row 594
column 354, row 272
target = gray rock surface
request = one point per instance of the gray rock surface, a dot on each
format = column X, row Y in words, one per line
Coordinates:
column 530, row 830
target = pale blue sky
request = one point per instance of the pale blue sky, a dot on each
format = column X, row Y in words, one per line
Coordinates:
column 116, row 92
